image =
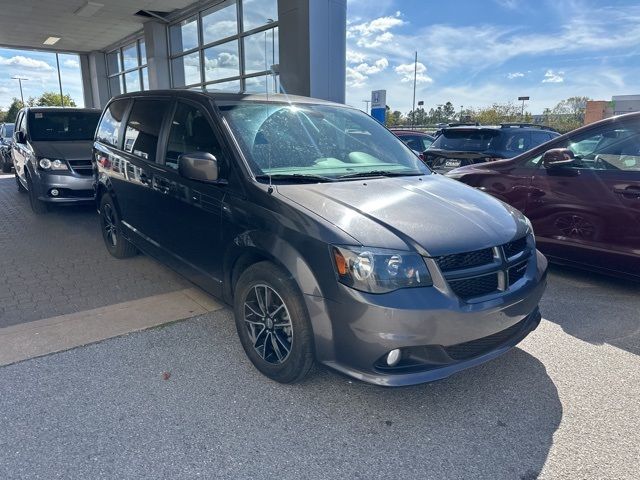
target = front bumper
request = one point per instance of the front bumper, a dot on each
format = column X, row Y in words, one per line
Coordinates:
column 73, row 188
column 438, row 333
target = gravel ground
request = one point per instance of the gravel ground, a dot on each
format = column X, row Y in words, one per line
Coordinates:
column 562, row 405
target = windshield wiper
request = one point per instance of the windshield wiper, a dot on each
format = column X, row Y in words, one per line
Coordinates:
column 297, row 177
column 382, row 173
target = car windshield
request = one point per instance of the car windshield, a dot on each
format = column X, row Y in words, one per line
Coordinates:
column 326, row 142
column 61, row 125
column 8, row 130
column 469, row 140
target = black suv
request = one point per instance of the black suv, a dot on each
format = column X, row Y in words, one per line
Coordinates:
column 330, row 238
column 460, row 145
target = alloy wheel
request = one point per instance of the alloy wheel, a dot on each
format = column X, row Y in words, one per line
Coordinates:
column 109, row 225
column 268, row 323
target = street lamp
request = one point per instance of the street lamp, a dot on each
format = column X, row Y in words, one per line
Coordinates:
column 522, row 99
column 366, row 105
column 20, row 79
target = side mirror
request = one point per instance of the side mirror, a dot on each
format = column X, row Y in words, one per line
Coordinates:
column 199, row 166
column 558, row 157
column 21, row 137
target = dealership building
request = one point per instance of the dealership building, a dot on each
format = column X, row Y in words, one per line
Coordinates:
column 292, row 46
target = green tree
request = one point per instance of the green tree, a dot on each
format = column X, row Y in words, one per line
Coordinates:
column 448, row 112
column 568, row 114
column 52, row 99
column 14, row 108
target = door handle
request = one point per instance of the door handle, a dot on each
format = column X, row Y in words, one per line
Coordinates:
column 628, row 191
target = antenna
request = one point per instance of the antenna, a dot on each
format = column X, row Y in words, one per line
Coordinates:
column 266, row 88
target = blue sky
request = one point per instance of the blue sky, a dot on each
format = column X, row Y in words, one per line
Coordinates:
column 474, row 53
column 470, row 52
column 40, row 69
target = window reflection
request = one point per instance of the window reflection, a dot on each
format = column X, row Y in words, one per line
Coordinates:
column 256, row 13
column 221, row 61
column 219, row 22
column 184, row 35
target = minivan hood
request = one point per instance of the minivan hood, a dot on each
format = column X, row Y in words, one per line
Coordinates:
column 67, row 150
column 432, row 214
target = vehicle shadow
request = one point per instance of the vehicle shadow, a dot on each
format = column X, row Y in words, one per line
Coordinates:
column 594, row 308
column 494, row 421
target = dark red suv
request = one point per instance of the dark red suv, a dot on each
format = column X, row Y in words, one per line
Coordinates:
column 581, row 191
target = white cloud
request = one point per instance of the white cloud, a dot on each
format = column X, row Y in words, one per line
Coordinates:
column 553, row 77
column 355, row 57
column 71, row 63
column 508, row 4
column 376, row 26
column 514, row 75
column 355, row 79
column 407, row 70
column 25, row 62
column 358, row 75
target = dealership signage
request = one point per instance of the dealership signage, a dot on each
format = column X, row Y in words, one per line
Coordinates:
column 378, row 104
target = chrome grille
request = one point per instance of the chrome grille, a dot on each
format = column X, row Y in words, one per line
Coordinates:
column 81, row 167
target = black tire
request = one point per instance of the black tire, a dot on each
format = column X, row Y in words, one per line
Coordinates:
column 111, row 228
column 21, row 188
column 290, row 325
column 37, row 206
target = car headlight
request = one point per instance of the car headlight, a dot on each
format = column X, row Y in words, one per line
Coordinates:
column 377, row 270
column 46, row 164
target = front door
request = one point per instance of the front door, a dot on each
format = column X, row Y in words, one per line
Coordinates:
column 190, row 210
column 589, row 212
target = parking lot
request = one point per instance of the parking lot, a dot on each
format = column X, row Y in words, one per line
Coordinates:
column 182, row 400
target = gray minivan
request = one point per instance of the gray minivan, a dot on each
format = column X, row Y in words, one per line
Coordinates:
column 51, row 154
column 332, row 241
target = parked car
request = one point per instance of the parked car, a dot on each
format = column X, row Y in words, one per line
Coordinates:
column 416, row 140
column 581, row 192
column 462, row 145
column 332, row 246
column 51, row 154
column 6, row 134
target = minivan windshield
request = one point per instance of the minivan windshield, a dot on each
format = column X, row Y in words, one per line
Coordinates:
column 62, row 125
column 322, row 142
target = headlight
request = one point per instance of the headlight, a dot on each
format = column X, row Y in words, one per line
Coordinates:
column 46, row 164
column 377, row 270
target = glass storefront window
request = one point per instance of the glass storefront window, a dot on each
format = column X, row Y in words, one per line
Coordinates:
column 232, row 86
column 260, row 84
column 114, row 65
column 116, row 85
column 221, row 61
column 206, row 47
column 184, row 35
column 186, row 70
column 145, row 78
column 130, row 56
column 261, row 51
column 143, row 53
column 219, row 22
column 257, row 13
column 132, row 81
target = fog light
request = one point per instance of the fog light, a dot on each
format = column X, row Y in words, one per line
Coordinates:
column 393, row 357
column 54, row 192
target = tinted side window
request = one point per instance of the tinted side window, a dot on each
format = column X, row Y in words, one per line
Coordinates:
column 109, row 128
column 190, row 132
column 143, row 128
column 518, row 142
column 538, row 138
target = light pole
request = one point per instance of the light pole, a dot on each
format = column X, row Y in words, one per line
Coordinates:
column 461, row 108
column 523, row 99
column 415, row 78
column 20, row 79
column 366, row 105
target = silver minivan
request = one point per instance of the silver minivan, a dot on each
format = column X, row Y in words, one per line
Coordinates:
column 51, row 154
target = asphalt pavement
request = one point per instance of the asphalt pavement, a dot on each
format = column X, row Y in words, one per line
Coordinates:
column 182, row 401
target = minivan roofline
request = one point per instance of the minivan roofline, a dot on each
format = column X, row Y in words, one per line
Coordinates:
column 232, row 97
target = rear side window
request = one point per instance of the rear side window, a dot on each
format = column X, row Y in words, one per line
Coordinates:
column 109, row 128
column 143, row 128
column 517, row 142
column 468, row 140
column 538, row 138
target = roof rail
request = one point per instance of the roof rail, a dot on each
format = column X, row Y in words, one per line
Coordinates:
column 464, row 124
column 526, row 125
